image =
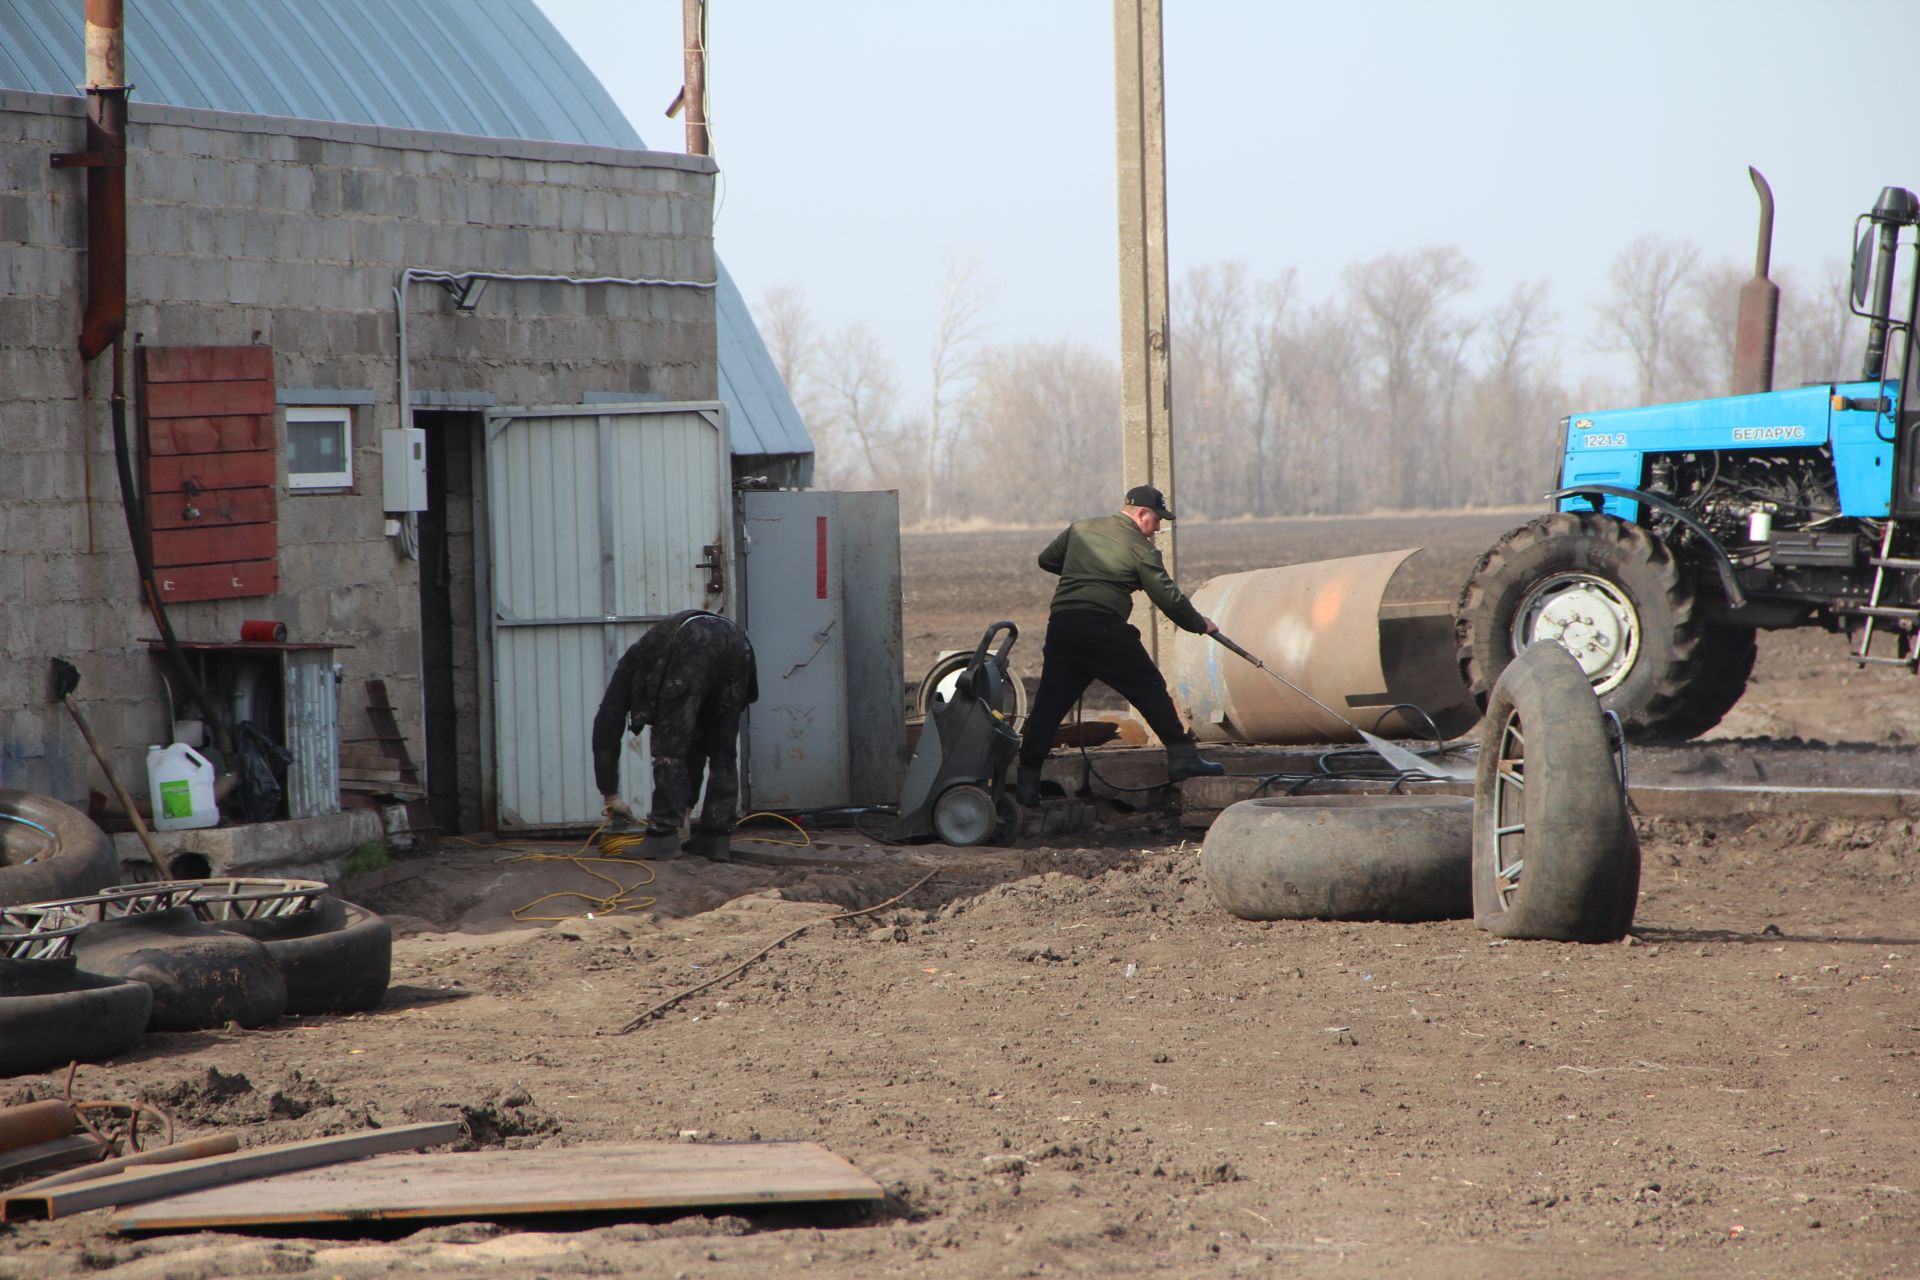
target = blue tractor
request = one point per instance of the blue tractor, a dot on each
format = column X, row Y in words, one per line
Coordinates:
column 1680, row 530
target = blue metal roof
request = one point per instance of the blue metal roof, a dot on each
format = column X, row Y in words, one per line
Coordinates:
column 487, row 68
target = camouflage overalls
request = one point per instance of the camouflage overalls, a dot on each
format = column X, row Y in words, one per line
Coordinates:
column 690, row 677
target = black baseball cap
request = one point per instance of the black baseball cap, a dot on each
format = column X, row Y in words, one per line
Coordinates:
column 1145, row 495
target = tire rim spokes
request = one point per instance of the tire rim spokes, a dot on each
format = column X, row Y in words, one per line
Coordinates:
column 1509, row 812
column 38, row 933
column 1589, row 617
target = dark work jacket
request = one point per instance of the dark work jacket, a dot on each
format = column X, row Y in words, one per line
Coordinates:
column 663, row 665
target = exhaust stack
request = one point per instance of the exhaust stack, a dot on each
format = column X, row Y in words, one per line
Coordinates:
column 1753, row 335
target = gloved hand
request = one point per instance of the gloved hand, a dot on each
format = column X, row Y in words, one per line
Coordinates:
column 615, row 807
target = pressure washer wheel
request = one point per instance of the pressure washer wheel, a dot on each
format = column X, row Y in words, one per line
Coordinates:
column 965, row 814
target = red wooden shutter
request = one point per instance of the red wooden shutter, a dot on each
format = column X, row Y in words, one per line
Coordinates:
column 207, row 424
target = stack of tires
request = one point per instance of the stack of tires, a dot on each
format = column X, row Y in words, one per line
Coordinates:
column 86, row 966
column 1543, row 849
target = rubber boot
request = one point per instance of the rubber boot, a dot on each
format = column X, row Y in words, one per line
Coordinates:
column 660, row 843
column 1185, row 761
column 1026, row 787
column 712, row 843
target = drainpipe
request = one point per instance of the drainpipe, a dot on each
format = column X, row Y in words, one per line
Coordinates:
column 105, row 323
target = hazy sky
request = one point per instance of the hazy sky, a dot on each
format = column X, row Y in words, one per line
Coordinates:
column 863, row 143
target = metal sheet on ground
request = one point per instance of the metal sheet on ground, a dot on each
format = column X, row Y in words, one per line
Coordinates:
column 494, row 1184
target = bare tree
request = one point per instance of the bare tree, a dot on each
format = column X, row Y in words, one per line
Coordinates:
column 1210, row 319
column 1270, row 340
column 950, row 364
column 1401, row 298
column 1043, row 416
column 860, row 393
column 1820, row 340
column 1639, row 319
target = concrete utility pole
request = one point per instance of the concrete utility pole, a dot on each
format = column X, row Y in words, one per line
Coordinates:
column 1146, row 388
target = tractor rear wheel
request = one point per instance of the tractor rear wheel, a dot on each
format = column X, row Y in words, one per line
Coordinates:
column 1726, row 663
column 1609, row 592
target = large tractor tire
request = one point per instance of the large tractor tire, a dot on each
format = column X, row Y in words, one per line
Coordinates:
column 1609, row 592
column 50, row 1012
column 335, row 957
column 50, row 851
column 1343, row 858
column 201, row 977
column 1554, row 853
column 1727, row 656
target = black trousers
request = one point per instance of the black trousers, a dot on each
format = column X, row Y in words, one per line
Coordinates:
column 1084, row 645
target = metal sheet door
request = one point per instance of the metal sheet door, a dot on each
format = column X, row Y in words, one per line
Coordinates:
column 600, row 521
column 797, row 732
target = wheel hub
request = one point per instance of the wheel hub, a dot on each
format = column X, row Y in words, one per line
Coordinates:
column 1589, row 617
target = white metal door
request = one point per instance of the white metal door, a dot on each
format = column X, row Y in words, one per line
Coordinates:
column 600, row 521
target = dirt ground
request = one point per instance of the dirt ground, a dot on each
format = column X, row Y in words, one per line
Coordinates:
column 1069, row 1061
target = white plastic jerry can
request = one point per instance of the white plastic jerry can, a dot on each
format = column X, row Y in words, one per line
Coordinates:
column 180, row 784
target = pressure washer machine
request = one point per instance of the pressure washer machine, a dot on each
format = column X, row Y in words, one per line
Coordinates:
column 956, row 784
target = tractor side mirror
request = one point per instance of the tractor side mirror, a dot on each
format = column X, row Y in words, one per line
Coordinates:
column 1862, row 265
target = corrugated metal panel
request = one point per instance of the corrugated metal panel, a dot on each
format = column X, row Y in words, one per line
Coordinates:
column 487, row 68
column 598, row 522
column 313, row 733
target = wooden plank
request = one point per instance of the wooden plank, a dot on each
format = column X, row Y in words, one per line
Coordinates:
column 208, row 364
column 364, row 757
column 207, row 399
column 211, row 435
column 220, row 582
column 227, row 544
column 216, row 507
column 218, row 1144
column 170, row 474
column 494, row 1184
column 402, row 790
column 134, row 1186
column 361, row 773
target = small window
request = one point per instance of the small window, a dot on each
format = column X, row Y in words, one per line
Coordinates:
column 319, row 448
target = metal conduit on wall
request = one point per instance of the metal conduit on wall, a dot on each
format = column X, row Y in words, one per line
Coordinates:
column 461, row 285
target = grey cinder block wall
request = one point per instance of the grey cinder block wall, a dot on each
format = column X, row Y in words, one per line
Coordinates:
column 244, row 229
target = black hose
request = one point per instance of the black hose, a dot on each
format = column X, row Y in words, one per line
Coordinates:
column 134, row 506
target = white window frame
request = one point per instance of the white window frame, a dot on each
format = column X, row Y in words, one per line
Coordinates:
column 311, row 481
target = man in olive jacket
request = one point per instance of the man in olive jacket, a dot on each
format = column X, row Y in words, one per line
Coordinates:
column 1101, row 562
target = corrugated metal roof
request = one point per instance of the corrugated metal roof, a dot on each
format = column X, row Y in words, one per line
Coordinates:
column 488, row 68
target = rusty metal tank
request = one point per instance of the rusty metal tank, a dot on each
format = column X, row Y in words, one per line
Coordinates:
column 1324, row 627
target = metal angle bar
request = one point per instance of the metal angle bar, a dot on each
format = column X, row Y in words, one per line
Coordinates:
column 218, row 1144
column 57, row 1153
column 243, row 1166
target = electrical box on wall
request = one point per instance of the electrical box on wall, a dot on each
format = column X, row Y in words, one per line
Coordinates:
column 403, row 468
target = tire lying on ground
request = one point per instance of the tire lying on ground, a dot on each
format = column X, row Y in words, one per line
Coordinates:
column 52, row 1013
column 49, row 850
column 1342, row 857
column 1554, row 853
column 335, row 957
column 201, row 977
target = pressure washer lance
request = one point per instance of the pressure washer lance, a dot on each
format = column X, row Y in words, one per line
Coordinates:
column 1399, row 757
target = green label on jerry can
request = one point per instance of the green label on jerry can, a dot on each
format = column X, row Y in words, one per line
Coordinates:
column 176, row 799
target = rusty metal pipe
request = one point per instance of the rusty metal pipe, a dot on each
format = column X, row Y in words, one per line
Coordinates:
column 693, row 93
column 1759, row 316
column 105, row 161
column 1323, row 628
column 32, row 1123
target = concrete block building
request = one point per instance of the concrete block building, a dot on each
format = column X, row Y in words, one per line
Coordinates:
column 430, row 362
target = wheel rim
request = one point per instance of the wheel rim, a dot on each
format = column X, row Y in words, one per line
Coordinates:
column 1509, row 810
column 964, row 815
column 1589, row 617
